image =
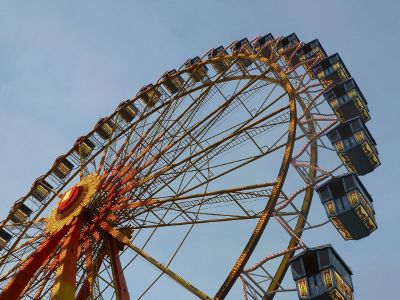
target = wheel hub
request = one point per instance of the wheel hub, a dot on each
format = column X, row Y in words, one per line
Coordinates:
column 69, row 200
column 72, row 203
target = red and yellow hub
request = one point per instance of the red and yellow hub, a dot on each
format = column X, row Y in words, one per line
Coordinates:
column 72, row 203
column 69, row 200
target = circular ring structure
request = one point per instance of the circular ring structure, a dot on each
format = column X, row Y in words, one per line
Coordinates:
column 228, row 138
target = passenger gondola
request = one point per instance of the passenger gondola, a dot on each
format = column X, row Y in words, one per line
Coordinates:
column 348, row 206
column 84, row 146
column 287, row 46
column 221, row 65
column 321, row 274
column 5, row 237
column 21, row 213
column 310, row 54
column 41, row 189
column 62, row 167
column 149, row 94
column 243, row 47
column 127, row 110
column 347, row 101
column 105, row 127
column 196, row 71
column 263, row 45
column 355, row 146
column 331, row 70
column 171, row 81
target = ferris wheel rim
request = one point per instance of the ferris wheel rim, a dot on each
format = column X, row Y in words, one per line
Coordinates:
column 290, row 145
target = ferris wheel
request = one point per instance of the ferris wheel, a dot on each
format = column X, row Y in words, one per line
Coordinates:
column 230, row 146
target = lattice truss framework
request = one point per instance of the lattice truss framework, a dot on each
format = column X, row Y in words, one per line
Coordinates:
column 234, row 144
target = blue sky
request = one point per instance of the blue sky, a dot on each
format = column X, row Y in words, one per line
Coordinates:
column 65, row 64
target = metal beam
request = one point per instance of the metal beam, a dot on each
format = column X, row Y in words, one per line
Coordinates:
column 121, row 289
column 18, row 283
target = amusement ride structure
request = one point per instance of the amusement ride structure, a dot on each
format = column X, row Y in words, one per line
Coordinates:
column 244, row 136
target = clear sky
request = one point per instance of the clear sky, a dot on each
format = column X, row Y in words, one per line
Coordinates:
column 65, row 64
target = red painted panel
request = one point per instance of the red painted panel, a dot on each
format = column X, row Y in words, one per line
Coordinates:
column 121, row 289
column 15, row 287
